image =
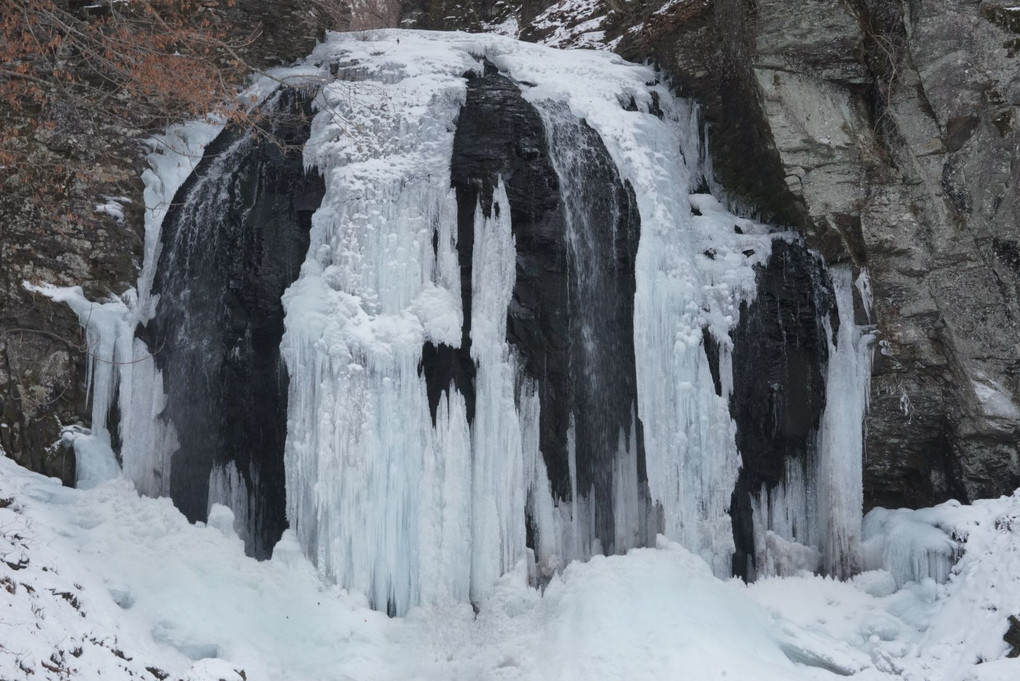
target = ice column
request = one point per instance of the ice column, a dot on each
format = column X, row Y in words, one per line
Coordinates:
column 841, row 436
column 498, row 536
column 378, row 497
column 108, row 337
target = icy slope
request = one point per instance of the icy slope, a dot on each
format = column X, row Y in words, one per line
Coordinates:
column 167, row 594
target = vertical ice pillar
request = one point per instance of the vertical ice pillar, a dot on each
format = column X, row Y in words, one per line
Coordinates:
column 841, row 438
column 379, row 489
column 692, row 459
column 498, row 536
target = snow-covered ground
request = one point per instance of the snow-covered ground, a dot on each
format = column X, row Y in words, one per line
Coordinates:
column 104, row 583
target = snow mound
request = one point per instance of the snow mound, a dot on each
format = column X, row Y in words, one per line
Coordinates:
column 103, row 583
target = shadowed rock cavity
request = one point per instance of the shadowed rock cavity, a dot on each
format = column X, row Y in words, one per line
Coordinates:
column 500, row 135
column 780, row 353
column 231, row 244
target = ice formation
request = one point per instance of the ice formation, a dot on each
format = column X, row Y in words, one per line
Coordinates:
column 389, row 503
column 409, row 506
column 914, row 545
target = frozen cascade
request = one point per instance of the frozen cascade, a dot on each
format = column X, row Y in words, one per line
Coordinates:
column 196, row 387
column 429, row 448
column 381, row 483
column 840, row 481
column 498, row 532
column 188, row 328
column 691, row 459
column 372, row 497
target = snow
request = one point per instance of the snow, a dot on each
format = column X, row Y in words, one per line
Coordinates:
column 996, row 402
column 921, row 629
column 574, row 24
column 85, row 573
column 113, row 206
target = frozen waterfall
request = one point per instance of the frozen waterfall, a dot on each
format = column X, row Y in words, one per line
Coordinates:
column 408, row 503
column 521, row 333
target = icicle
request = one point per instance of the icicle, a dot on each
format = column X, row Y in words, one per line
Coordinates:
column 108, row 336
column 498, row 537
column 841, row 437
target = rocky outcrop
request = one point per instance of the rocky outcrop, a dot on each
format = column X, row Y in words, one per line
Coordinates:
column 56, row 233
column 910, row 157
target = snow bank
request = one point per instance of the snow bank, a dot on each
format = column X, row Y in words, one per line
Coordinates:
column 185, row 600
column 898, row 620
column 103, row 583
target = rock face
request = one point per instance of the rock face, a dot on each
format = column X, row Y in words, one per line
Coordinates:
column 61, row 238
column 232, row 244
column 894, row 128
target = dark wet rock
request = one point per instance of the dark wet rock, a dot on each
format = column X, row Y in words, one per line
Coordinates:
column 233, row 242
column 780, row 353
column 501, row 136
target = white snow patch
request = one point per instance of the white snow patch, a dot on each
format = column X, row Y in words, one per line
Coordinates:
column 113, row 206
